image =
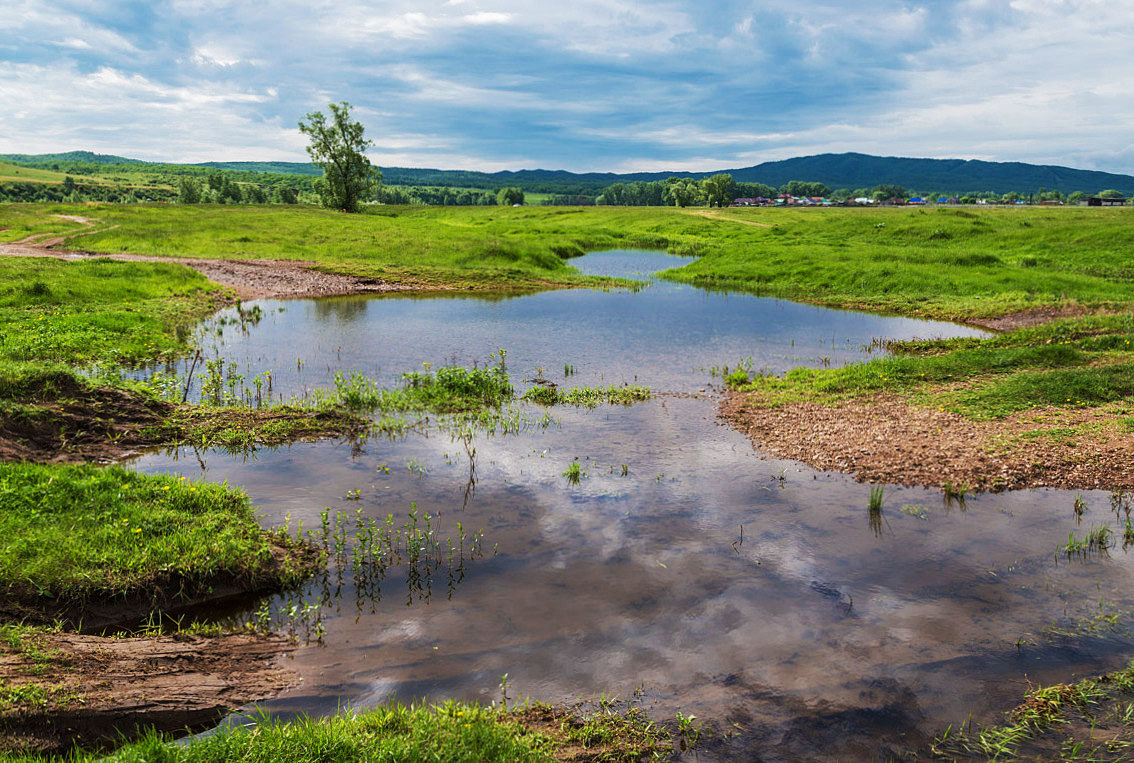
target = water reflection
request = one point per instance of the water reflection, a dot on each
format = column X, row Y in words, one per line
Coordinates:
column 743, row 589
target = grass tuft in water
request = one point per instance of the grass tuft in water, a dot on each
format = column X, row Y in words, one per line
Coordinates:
column 588, row 397
column 574, row 473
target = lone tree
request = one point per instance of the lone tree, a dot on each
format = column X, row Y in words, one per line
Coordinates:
column 337, row 148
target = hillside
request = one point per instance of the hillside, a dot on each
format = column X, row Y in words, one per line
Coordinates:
column 849, row 170
column 958, row 175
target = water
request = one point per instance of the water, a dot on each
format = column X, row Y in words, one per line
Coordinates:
column 758, row 594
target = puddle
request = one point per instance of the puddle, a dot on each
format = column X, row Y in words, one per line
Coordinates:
column 757, row 594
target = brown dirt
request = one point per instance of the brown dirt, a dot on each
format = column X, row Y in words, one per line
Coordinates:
column 711, row 214
column 77, row 424
column 97, row 688
column 1033, row 317
column 884, row 439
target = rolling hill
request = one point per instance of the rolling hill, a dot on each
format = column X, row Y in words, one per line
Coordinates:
column 848, row 170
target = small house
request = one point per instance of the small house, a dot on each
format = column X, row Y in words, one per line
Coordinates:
column 1105, row 201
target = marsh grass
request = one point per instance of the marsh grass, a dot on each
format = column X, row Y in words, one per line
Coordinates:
column 449, row 389
column 1091, row 718
column 1073, row 364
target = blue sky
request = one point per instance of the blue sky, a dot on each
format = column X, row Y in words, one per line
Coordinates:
column 614, row 85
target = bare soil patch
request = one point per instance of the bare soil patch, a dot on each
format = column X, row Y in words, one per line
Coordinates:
column 885, row 439
column 92, row 689
column 1033, row 317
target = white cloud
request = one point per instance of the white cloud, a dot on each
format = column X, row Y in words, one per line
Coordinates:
column 590, row 84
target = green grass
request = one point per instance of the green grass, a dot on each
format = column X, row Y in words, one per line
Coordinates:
column 451, row 389
column 588, row 397
column 77, row 533
column 944, row 263
column 100, row 311
column 451, row 731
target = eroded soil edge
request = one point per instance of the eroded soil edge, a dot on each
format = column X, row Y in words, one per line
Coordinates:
column 885, row 439
column 91, row 689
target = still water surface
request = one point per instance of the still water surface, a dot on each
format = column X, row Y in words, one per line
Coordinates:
column 757, row 594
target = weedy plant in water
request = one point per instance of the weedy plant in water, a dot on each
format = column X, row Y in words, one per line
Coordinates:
column 1097, row 540
column 1080, row 507
column 915, row 510
column 689, row 733
column 954, row 493
column 874, row 506
column 574, row 473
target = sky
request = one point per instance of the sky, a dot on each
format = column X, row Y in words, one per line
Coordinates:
column 582, row 85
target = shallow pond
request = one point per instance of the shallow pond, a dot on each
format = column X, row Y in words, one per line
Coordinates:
column 758, row 594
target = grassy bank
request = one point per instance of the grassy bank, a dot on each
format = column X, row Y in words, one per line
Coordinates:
column 79, row 534
column 1066, row 364
column 453, row 731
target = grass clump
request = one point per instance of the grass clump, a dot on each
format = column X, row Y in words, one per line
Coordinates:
column 80, row 533
column 588, row 397
column 450, row 389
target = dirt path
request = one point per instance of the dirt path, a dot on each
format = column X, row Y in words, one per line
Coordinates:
column 716, row 214
column 250, row 279
column 885, row 439
column 93, row 688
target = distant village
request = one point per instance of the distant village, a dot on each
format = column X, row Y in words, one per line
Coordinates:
column 787, row 200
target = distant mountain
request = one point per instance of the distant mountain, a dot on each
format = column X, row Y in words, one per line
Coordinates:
column 69, row 156
column 835, row 170
column 284, row 168
column 849, row 170
column 953, row 175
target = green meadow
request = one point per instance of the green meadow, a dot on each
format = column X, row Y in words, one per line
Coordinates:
column 938, row 262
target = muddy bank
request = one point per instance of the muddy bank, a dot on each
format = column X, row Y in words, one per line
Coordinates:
column 76, row 423
column 1034, row 317
column 884, row 439
column 89, row 690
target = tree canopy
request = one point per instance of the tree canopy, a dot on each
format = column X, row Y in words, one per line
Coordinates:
column 337, row 148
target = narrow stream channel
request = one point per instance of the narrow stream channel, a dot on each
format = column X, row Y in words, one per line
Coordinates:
column 757, row 594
